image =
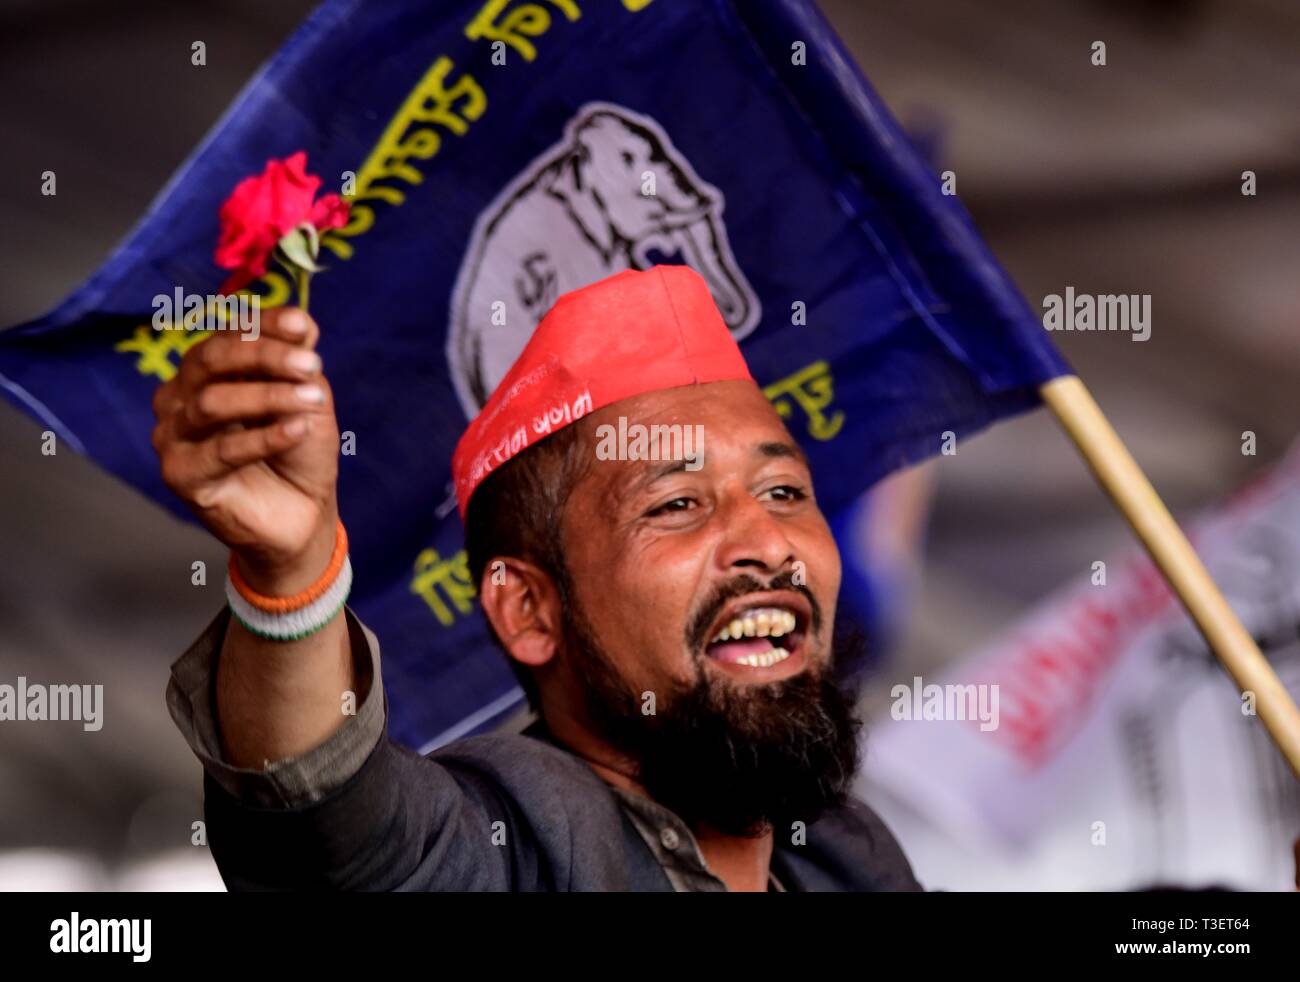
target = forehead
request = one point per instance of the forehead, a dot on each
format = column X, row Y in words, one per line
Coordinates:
column 739, row 403
column 734, row 419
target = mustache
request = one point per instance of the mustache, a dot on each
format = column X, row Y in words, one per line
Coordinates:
column 697, row 628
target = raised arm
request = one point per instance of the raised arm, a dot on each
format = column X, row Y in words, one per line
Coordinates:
column 247, row 438
column 299, row 793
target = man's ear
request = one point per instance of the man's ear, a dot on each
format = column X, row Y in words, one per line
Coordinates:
column 522, row 604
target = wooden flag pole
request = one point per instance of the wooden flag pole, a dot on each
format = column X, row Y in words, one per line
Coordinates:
column 1122, row 479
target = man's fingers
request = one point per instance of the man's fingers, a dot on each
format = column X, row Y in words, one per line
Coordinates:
column 162, row 435
column 226, row 355
column 226, row 402
column 163, row 396
column 290, row 324
column 188, row 466
column 207, row 413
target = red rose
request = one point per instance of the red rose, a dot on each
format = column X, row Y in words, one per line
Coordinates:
column 262, row 210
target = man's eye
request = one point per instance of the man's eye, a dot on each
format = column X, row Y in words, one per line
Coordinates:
column 677, row 504
column 787, row 492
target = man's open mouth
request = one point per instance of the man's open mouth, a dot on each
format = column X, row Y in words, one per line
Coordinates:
column 758, row 636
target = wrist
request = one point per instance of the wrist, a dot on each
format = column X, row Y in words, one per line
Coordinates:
column 297, row 615
column 286, row 576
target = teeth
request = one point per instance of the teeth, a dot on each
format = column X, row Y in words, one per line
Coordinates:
column 765, row 622
column 764, row 659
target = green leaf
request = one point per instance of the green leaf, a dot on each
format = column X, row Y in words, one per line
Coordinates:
column 278, row 255
column 313, row 238
column 296, row 246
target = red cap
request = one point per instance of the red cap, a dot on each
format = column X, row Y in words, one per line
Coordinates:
column 633, row 332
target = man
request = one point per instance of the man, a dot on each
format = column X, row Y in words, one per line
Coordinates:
column 649, row 554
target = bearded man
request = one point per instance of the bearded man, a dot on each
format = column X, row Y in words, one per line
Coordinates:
column 671, row 622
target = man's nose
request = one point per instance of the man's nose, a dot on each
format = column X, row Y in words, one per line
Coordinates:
column 753, row 537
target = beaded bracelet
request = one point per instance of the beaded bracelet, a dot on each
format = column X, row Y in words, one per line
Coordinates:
column 304, row 613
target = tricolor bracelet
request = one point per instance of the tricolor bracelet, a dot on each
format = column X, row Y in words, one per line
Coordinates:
column 304, row 613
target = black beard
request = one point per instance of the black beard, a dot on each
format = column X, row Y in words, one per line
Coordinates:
column 738, row 758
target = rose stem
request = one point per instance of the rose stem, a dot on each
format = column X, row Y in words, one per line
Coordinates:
column 304, row 281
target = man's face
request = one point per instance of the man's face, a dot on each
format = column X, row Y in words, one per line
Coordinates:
column 668, row 562
column 698, row 624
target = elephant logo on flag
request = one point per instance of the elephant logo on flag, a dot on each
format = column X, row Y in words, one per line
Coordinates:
column 613, row 194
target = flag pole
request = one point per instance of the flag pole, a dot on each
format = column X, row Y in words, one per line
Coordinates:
column 1122, row 479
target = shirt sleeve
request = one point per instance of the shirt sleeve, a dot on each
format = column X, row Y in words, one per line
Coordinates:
column 358, row 812
column 293, row 781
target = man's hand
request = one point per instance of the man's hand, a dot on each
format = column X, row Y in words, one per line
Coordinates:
column 247, row 438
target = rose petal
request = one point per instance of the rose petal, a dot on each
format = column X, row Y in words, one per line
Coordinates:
column 330, row 211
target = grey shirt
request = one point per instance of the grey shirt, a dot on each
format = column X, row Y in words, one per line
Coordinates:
column 492, row 812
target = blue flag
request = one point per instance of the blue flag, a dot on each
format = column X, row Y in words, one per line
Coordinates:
column 499, row 154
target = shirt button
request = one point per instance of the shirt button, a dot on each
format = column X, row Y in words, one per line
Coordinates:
column 670, row 839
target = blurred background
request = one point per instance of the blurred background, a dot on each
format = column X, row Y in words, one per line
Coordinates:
column 1121, row 179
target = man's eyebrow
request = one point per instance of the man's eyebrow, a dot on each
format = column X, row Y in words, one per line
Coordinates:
column 651, row 474
column 774, row 450
column 778, row 449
